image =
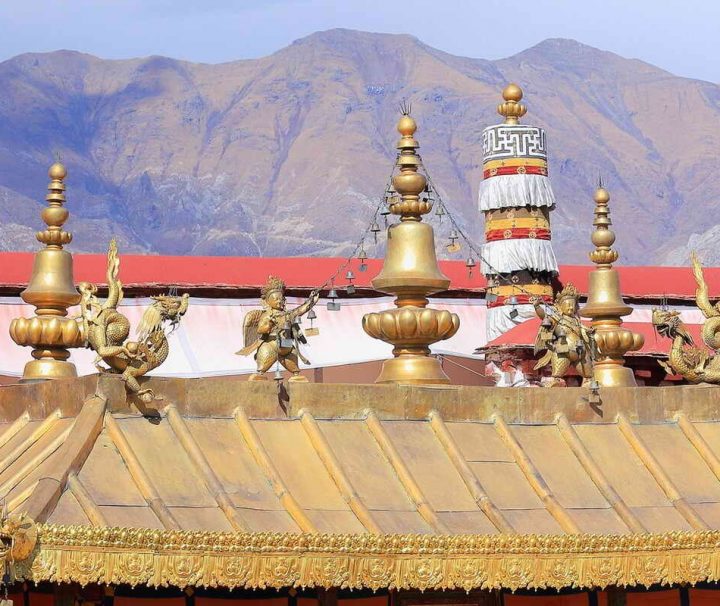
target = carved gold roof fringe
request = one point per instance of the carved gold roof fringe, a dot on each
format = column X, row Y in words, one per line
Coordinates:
column 417, row 498
column 195, row 453
column 468, row 477
column 657, row 472
column 534, row 478
column 252, row 440
column 136, row 556
column 349, row 494
column 139, row 475
column 567, row 431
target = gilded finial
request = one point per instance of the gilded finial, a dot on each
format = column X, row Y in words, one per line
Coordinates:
column 52, row 291
column 603, row 237
column 512, row 110
column 55, row 214
column 605, row 305
column 411, row 273
column 409, row 183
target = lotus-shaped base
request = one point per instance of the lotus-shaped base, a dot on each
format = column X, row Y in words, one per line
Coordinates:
column 50, row 337
column 47, row 332
column 411, row 330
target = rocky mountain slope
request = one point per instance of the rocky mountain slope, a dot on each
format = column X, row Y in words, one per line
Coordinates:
column 287, row 155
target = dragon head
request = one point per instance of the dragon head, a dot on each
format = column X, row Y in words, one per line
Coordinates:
column 668, row 324
column 165, row 308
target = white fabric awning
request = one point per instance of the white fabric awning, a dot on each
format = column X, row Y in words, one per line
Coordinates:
column 211, row 332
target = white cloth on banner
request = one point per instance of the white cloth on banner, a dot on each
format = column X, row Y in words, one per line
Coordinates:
column 507, row 191
column 505, row 256
column 205, row 342
column 498, row 319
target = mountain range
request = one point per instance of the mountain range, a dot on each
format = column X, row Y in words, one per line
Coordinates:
column 289, row 154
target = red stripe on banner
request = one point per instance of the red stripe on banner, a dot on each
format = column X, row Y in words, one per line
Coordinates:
column 515, row 170
column 519, row 300
column 517, row 233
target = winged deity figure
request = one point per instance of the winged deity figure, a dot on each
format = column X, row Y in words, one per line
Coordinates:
column 273, row 334
column 565, row 339
column 107, row 330
column 695, row 364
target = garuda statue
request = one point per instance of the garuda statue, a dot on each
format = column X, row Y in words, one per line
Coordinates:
column 107, row 330
column 564, row 338
column 695, row 364
column 273, row 334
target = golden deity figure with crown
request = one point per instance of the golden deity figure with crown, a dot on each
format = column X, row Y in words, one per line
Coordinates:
column 273, row 334
column 564, row 338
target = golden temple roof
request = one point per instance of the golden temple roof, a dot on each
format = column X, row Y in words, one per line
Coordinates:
column 459, row 460
column 456, row 465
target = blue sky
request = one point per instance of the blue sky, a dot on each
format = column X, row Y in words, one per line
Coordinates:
column 678, row 36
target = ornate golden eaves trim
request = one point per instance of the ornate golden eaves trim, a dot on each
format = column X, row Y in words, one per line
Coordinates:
column 259, row 560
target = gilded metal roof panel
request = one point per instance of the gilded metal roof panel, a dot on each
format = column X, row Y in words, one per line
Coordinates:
column 68, row 511
column 479, row 442
column 709, row 512
column 681, row 462
column 710, row 432
column 430, row 466
column 228, row 455
column 31, row 478
column 532, row 521
column 661, row 519
column 598, row 520
column 624, row 471
column 106, row 477
column 393, row 522
column 506, row 485
column 467, row 522
column 201, row 518
column 165, row 462
column 562, row 471
column 365, row 466
column 355, row 475
column 20, row 437
column 299, row 465
column 343, row 521
column 35, row 449
column 260, row 520
column 131, row 517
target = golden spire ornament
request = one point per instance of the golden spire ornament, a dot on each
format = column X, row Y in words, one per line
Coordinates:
column 605, row 306
column 511, row 109
column 51, row 290
column 411, row 273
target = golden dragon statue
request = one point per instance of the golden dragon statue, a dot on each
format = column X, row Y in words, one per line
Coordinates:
column 273, row 334
column 695, row 364
column 566, row 341
column 107, row 330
